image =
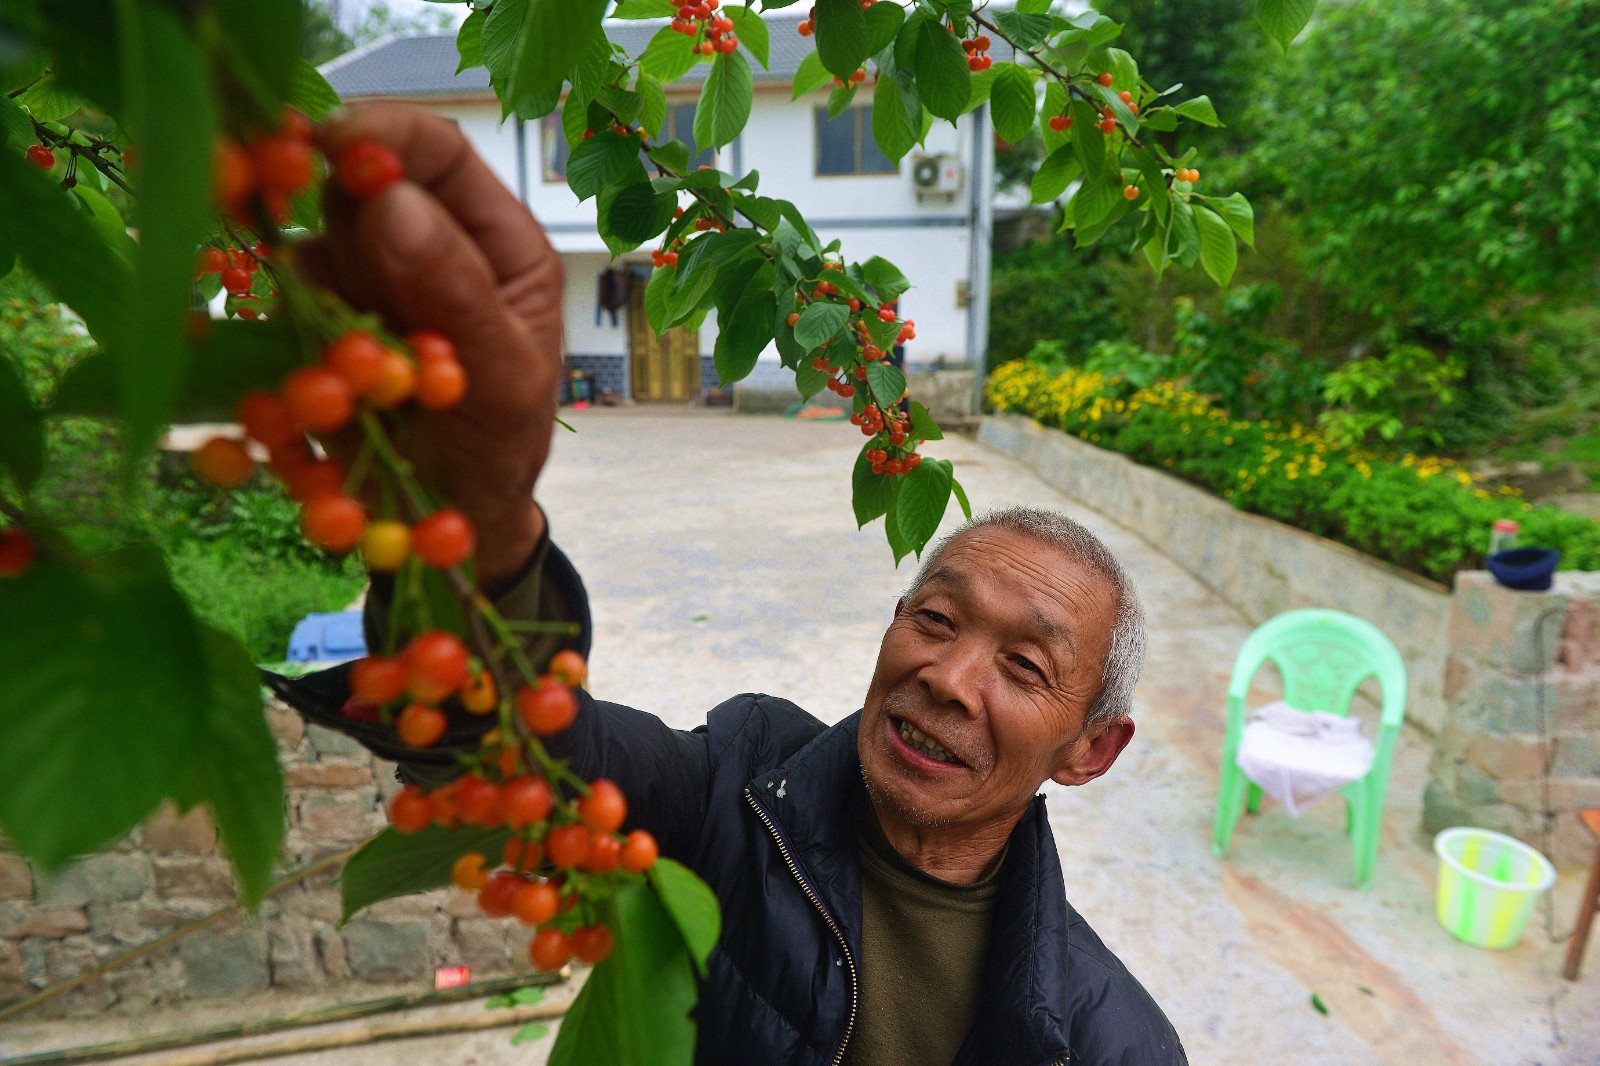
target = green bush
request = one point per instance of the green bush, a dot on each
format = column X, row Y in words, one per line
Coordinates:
column 258, row 597
column 1048, row 291
column 238, row 556
column 1421, row 513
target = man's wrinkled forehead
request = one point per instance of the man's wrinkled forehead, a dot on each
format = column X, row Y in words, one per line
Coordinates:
column 960, row 571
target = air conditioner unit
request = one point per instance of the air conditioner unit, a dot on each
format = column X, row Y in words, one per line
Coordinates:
column 936, row 175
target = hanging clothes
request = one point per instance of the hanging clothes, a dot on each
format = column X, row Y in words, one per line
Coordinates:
column 612, row 294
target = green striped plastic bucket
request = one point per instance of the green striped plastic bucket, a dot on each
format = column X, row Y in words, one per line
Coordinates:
column 1488, row 884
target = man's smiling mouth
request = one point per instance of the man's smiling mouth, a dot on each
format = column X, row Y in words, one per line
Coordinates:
column 920, row 741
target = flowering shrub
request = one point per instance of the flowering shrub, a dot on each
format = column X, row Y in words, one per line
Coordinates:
column 1422, row 513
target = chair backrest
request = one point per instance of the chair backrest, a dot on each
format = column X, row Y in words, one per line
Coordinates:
column 1323, row 657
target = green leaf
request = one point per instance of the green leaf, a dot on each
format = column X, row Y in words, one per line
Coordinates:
column 870, row 494
column 923, row 427
column 961, row 498
column 552, row 37
column 1200, row 110
column 652, row 103
column 669, row 56
column 1284, row 19
column 885, row 278
column 645, row 9
column 310, row 93
column 16, row 130
column 1013, row 101
column 1316, row 1001
column 469, row 40
column 624, row 104
column 751, row 29
column 891, row 531
column 526, row 996
column 399, row 864
column 725, row 101
column 1240, row 215
column 982, row 87
column 1183, row 239
column 657, row 292
column 811, row 75
column 819, row 322
column 672, row 156
column 269, row 30
column 100, row 709
column 1025, row 29
column 22, row 442
column 1218, row 254
column 743, row 335
column 1085, row 234
column 841, row 36
column 167, row 92
column 888, row 382
column 634, row 1008
column 1054, row 174
column 840, row 99
column 883, row 23
column 235, row 769
column 920, row 504
column 896, row 116
column 603, row 159
column 635, row 213
column 944, row 82
column 1093, row 201
column 808, row 380
column 1087, row 141
column 1055, row 103
column 692, row 906
column 1034, row 7
column 1124, row 71
column 530, row 1032
column 60, row 246
column 50, row 100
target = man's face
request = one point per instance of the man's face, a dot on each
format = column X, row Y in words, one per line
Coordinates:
column 995, row 659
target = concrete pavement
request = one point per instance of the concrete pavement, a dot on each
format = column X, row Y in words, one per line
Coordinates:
column 721, row 556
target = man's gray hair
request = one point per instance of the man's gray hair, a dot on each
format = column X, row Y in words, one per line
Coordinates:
column 1125, row 656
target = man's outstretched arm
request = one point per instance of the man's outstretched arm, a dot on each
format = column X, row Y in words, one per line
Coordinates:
column 451, row 249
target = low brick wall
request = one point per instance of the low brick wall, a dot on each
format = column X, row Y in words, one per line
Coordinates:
column 1262, row 567
column 1510, row 653
column 170, row 872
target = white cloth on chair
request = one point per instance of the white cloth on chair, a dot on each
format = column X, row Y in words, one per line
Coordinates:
column 1297, row 757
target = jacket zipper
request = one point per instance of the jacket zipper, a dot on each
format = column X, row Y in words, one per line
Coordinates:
column 805, row 886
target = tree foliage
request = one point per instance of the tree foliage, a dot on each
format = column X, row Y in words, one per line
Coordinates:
column 1439, row 154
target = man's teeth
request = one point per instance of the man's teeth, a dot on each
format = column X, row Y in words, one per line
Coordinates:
column 924, row 743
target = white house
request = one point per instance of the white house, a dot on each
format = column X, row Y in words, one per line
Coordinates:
column 932, row 221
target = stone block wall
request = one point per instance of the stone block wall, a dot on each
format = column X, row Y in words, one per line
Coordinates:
column 171, row 871
column 1522, row 693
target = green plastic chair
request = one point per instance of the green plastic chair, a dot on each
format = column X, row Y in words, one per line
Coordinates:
column 1323, row 657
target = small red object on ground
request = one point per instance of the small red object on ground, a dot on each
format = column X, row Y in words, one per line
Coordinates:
column 451, row 976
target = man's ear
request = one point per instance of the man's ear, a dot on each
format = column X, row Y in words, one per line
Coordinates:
column 1093, row 753
column 899, row 605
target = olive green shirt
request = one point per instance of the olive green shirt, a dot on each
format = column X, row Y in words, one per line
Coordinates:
column 923, row 944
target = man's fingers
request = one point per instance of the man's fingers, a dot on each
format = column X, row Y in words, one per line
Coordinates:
column 438, row 156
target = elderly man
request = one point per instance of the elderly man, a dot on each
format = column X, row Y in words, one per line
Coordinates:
column 890, row 887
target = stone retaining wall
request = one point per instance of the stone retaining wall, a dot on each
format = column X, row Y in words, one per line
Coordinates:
column 170, row 872
column 1522, row 684
column 1262, row 567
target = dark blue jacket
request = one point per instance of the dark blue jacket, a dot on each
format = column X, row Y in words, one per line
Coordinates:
column 759, row 801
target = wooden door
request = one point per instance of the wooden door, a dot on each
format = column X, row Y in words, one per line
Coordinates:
column 664, row 368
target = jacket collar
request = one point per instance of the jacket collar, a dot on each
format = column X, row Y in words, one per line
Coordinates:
column 811, row 798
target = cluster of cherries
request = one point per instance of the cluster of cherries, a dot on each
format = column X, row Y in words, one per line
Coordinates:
column 356, row 368
column 977, row 49
column 559, row 854
column 693, row 19
column 894, row 425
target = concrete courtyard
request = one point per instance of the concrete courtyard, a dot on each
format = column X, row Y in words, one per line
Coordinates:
column 721, row 556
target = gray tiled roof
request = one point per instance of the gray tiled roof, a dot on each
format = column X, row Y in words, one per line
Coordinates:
column 425, row 65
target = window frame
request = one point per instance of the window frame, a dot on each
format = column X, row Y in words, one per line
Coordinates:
column 863, row 131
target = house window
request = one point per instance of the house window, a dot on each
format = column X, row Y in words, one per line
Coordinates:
column 845, row 144
column 679, row 125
